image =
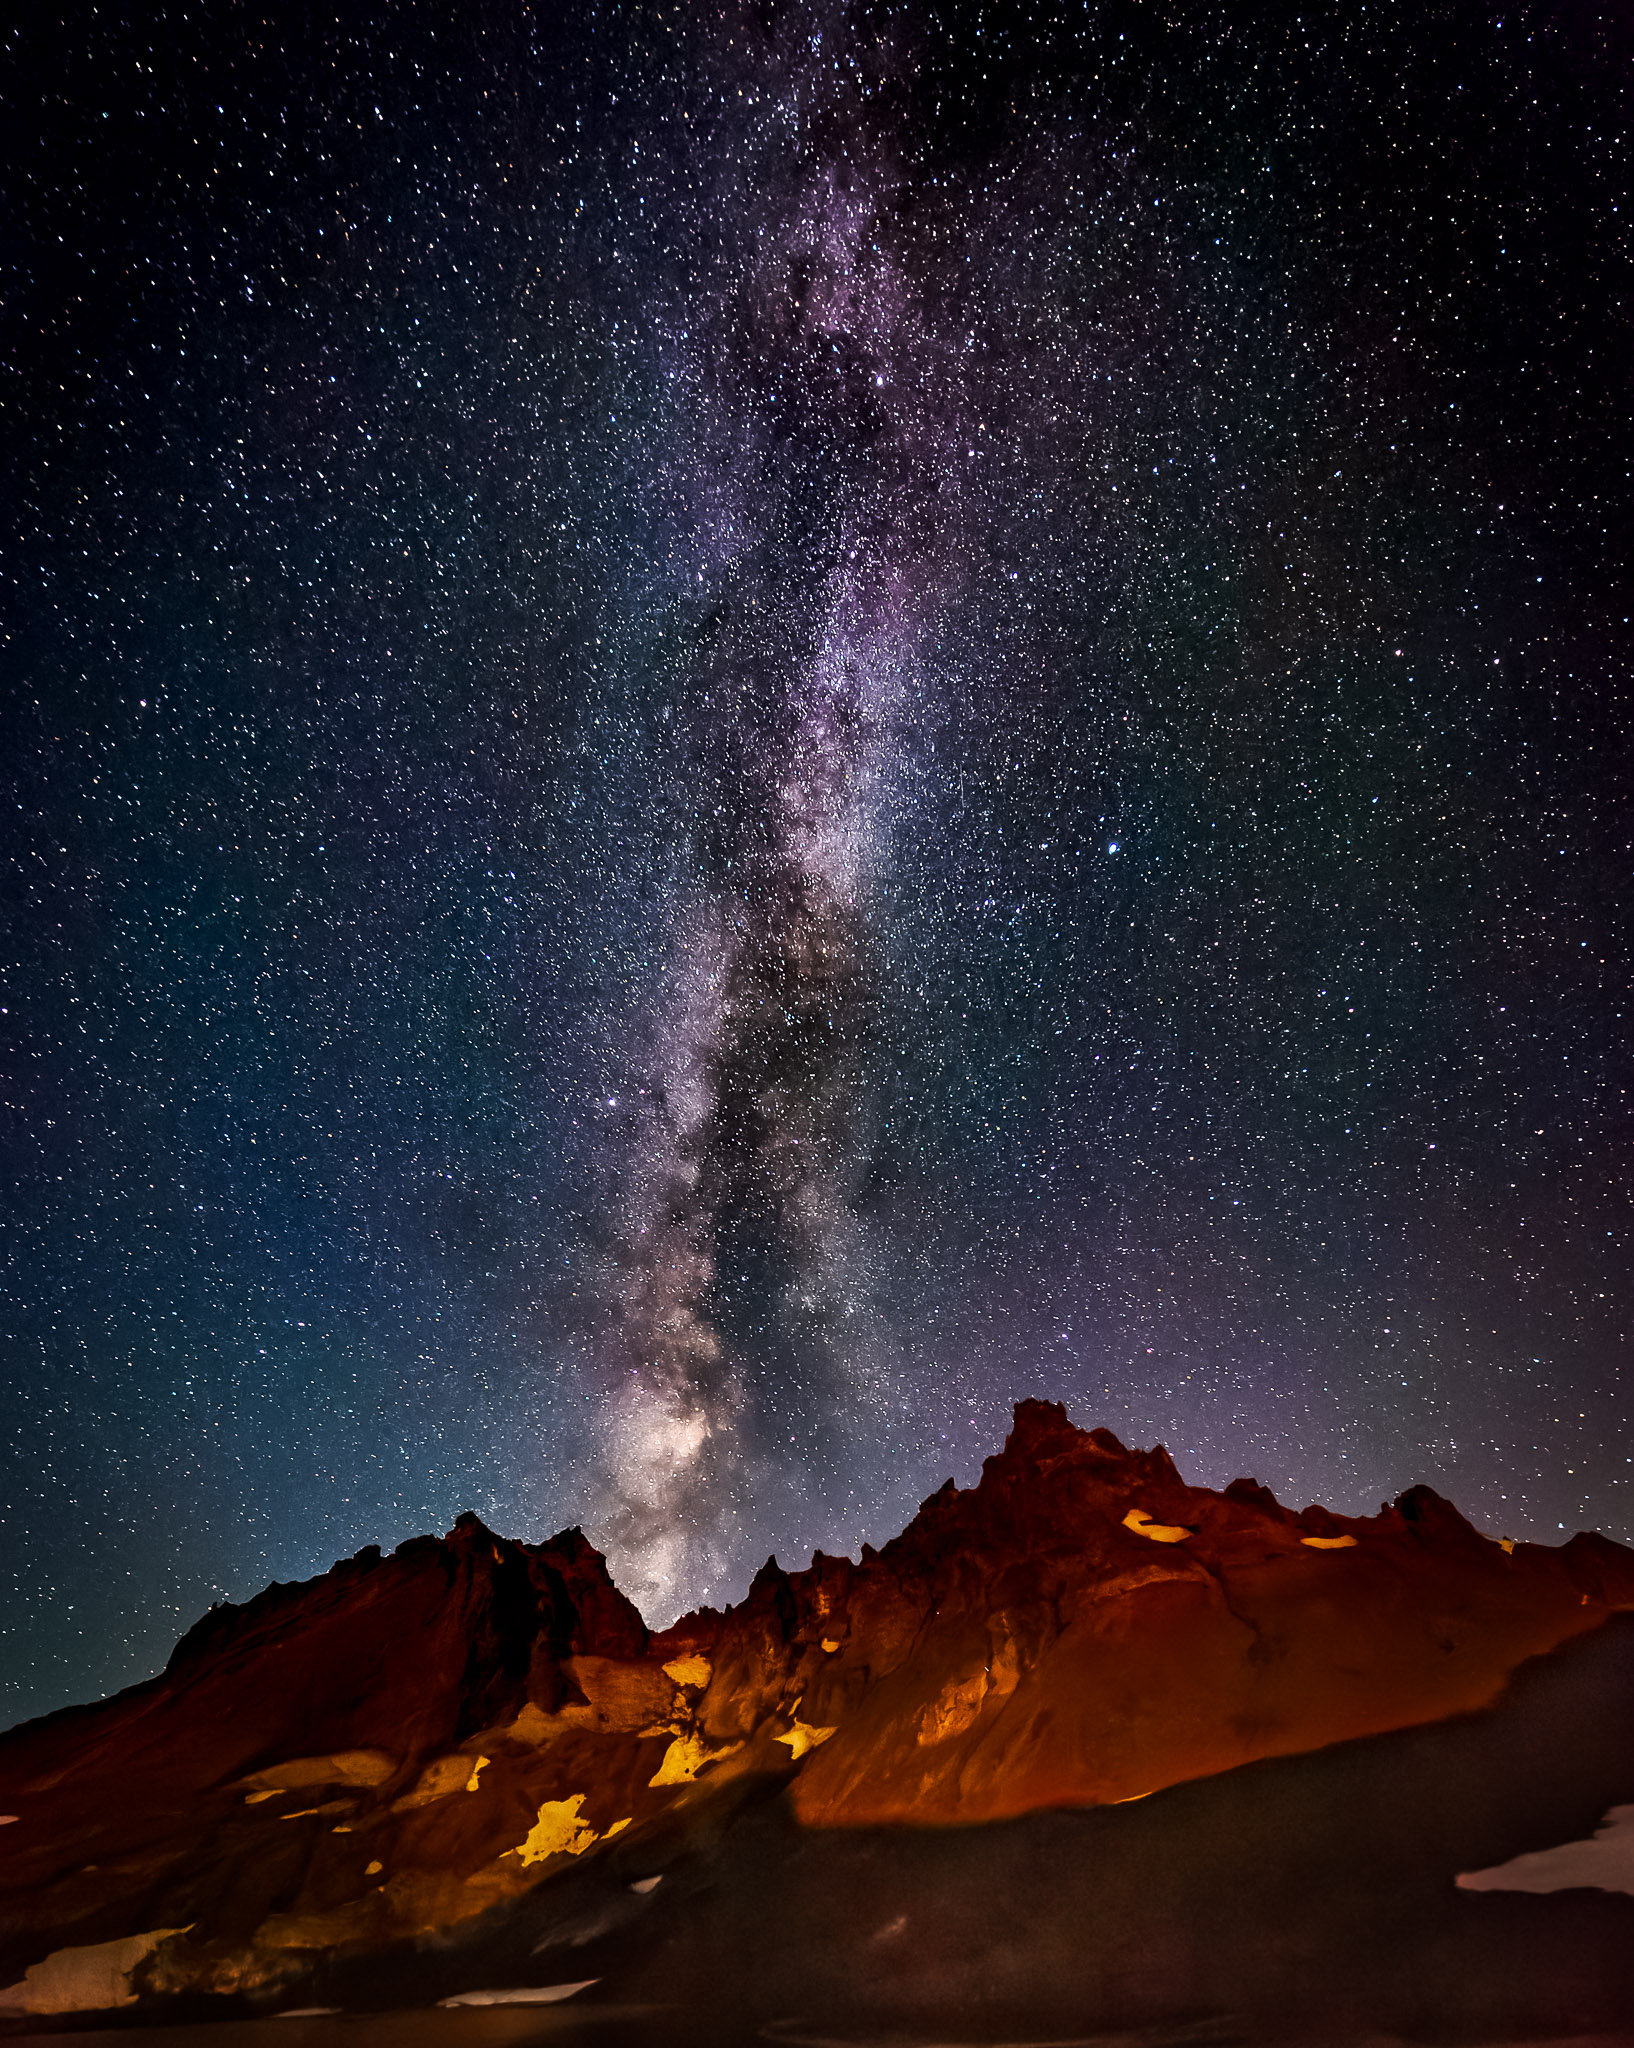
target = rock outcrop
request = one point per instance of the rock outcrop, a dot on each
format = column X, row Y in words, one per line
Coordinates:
column 414, row 1744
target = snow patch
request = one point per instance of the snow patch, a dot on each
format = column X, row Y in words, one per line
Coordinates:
column 523, row 1994
column 560, row 1832
column 1605, row 1862
column 1142, row 1524
column 91, row 1979
column 343, row 1767
column 686, row 1757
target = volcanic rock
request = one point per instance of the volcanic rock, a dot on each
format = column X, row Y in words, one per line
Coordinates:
column 420, row 1754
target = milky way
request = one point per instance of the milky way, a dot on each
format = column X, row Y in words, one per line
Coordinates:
column 744, row 1254
column 733, row 732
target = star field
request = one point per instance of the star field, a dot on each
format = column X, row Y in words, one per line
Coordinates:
column 731, row 732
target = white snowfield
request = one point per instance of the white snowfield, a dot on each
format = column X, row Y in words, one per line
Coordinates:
column 1605, row 1862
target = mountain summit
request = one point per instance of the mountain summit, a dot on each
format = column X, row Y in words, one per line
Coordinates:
column 414, row 1752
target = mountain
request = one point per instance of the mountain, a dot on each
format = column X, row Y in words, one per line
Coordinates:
column 390, row 1783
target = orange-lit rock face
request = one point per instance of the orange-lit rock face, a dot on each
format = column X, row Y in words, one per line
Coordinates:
column 401, row 1745
column 1084, row 1627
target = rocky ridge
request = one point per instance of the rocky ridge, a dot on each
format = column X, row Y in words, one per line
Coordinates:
column 414, row 1744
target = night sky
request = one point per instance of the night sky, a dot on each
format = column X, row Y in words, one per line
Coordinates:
column 730, row 731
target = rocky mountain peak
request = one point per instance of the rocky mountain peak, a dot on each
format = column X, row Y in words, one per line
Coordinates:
column 471, row 1714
